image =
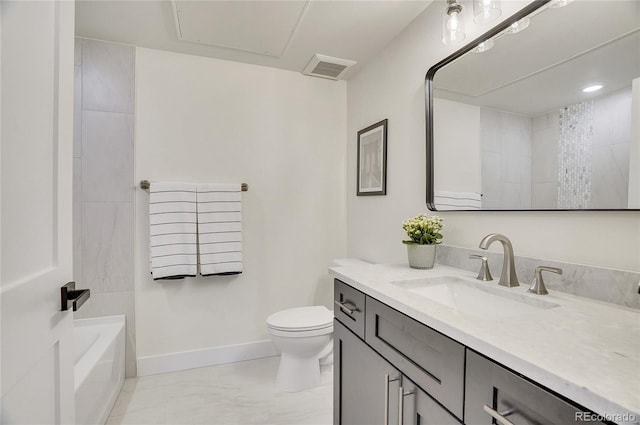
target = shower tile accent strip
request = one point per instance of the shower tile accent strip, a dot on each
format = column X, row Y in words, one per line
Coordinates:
column 576, row 134
column 599, row 283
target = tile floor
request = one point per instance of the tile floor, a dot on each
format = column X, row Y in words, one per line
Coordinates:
column 242, row 393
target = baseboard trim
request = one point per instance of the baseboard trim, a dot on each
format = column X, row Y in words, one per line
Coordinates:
column 172, row 362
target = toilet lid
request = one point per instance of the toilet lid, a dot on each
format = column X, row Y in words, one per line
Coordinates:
column 301, row 318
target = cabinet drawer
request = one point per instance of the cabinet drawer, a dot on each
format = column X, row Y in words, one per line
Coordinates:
column 431, row 360
column 349, row 307
column 520, row 401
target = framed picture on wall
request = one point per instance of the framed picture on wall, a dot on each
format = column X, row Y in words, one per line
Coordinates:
column 372, row 160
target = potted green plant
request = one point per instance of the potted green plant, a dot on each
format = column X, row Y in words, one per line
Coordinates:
column 424, row 234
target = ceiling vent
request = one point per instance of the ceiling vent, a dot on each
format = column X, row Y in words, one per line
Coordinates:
column 327, row 67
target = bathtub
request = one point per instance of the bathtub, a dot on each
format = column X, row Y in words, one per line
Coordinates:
column 99, row 367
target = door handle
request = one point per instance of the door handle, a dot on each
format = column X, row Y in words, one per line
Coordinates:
column 401, row 396
column 387, row 379
column 69, row 294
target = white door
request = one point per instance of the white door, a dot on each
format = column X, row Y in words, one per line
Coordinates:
column 36, row 126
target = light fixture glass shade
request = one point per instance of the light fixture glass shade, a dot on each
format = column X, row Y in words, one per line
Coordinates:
column 559, row 3
column 484, row 46
column 486, row 11
column 518, row 26
column 453, row 23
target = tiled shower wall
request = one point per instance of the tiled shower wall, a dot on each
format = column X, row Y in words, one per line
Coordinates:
column 103, row 213
column 611, row 143
column 606, row 159
column 544, row 168
column 505, row 143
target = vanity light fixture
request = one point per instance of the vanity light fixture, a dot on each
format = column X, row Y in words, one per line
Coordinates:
column 484, row 46
column 453, row 23
column 592, row 88
column 518, row 26
column 486, row 11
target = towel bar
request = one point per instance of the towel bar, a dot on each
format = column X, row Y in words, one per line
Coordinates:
column 146, row 184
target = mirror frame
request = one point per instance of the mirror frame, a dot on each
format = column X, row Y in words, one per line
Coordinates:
column 527, row 10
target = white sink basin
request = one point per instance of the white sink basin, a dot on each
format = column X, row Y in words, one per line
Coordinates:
column 481, row 300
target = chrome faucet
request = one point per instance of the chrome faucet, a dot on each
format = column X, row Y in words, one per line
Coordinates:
column 508, row 276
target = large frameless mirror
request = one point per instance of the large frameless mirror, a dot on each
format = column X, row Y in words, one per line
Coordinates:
column 540, row 113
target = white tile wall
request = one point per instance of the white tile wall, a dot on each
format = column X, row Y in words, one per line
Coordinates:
column 544, row 167
column 544, row 195
column 78, row 52
column 610, row 174
column 107, row 160
column 107, row 76
column 103, row 182
column 505, row 141
column 611, row 137
column 491, row 171
column 608, row 158
column 77, row 110
column 107, row 246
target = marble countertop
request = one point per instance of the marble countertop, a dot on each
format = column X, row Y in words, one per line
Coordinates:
column 585, row 350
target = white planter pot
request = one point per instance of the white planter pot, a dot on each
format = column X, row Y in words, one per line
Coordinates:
column 421, row 256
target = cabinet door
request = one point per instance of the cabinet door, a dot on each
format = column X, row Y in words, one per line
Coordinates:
column 492, row 389
column 418, row 408
column 359, row 383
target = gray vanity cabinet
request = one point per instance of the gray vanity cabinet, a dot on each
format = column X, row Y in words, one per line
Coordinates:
column 349, row 307
column 420, row 409
column 432, row 360
column 367, row 388
column 359, row 396
column 493, row 391
column 378, row 350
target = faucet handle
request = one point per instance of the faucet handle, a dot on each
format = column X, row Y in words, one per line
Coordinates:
column 485, row 273
column 537, row 284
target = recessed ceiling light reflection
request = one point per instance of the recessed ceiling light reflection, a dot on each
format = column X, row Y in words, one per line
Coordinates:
column 591, row 89
column 484, row 46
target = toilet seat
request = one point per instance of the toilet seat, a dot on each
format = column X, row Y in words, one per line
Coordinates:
column 302, row 321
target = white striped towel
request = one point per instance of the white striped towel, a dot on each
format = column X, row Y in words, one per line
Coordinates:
column 457, row 200
column 173, row 230
column 220, row 229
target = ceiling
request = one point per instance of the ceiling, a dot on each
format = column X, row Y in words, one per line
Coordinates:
column 274, row 33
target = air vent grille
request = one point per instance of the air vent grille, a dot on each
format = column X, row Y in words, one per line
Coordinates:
column 327, row 67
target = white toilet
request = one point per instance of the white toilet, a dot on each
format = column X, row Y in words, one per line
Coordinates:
column 304, row 337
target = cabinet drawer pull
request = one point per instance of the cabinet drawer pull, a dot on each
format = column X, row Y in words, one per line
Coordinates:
column 401, row 396
column 387, row 379
column 499, row 417
column 347, row 307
